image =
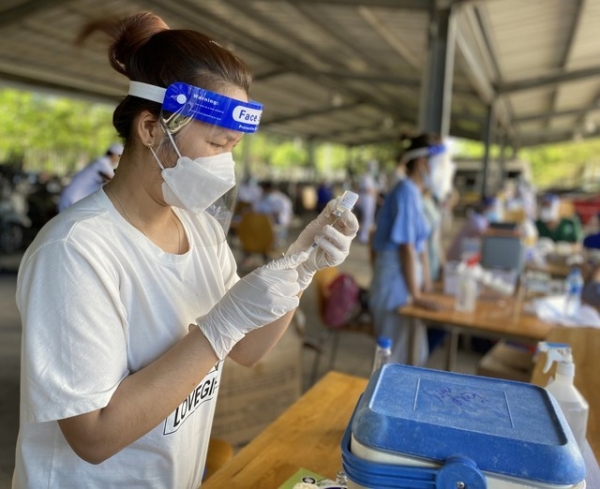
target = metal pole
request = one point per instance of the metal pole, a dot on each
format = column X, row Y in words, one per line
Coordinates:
column 487, row 139
column 436, row 88
column 502, row 158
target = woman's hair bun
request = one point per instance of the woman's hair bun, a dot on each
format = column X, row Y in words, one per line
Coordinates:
column 128, row 36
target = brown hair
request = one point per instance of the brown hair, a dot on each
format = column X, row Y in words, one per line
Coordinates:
column 144, row 49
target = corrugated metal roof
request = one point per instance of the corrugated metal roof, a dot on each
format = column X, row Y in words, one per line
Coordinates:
column 346, row 70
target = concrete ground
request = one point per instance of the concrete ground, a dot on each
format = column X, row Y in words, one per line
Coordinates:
column 354, row 356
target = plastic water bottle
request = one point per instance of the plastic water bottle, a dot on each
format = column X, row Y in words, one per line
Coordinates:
column 383, row 352
column 573, row 288
column 466, row 295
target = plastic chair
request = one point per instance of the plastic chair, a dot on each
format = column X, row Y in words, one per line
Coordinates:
column 256, row 234
column 357, row 323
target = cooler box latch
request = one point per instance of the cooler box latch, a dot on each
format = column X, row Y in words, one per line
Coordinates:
column 460, row 473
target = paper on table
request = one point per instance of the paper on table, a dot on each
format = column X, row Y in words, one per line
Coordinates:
column 306, row 479
column 552, row 310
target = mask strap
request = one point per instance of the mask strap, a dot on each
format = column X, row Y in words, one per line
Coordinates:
column 155, row 156
column 173, row 142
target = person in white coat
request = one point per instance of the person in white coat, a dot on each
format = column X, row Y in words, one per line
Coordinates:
column 368, row 192
column 91, row 178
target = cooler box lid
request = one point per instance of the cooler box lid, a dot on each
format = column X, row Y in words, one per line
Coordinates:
column 505, row 427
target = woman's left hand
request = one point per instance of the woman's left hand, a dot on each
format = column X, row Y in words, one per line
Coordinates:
column 333, row 242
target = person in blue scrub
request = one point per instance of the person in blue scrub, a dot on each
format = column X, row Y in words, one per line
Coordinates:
column 401, row 267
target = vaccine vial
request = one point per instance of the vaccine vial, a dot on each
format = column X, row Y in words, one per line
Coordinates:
column 345, row 203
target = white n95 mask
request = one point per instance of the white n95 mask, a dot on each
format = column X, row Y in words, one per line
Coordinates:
column 195, row 184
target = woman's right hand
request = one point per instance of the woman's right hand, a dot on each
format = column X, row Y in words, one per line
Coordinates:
column 258, row 299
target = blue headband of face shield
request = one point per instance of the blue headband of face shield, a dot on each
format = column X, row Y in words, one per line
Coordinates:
column 203, row 105
column 431, row 150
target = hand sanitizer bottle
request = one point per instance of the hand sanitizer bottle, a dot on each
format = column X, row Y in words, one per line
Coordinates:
column 573, row 405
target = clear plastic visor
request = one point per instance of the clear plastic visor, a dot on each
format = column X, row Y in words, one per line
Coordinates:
column 194, row 158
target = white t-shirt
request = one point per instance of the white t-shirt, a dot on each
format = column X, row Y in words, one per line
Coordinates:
column 99, row 301
column 86, row 182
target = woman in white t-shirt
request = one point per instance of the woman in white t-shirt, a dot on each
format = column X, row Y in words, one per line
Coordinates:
column 130, row 299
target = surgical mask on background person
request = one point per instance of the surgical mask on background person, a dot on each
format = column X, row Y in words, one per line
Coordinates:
column 426, row 177
column 195, row 184
column 548, row 214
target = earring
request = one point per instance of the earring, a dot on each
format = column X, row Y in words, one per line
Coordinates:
column 149, row 145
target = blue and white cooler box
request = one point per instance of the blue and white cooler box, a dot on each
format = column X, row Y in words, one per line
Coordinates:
column 416, row 428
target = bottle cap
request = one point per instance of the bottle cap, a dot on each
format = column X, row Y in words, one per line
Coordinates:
column 384, row 342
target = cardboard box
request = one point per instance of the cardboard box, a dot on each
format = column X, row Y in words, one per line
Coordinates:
column 251, row 398
column 507, row 361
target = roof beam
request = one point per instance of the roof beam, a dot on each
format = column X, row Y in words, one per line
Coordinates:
column 478, row 78
column 553, row 79
column 397, row 4
column 21, row 11
column 188, row 11
column 345, row 40
column 34, row 83
column 580, row 121
column 246, row 9
column 274, row 73
column 564, row 59
column 485, row 85
column 546, row 137
column 369, row 16
column 309, row 113
column 548, row 115
column 368, row 77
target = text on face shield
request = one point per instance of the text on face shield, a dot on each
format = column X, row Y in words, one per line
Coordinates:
column 246, row 115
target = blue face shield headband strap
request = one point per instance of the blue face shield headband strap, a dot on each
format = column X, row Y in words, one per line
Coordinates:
column 431, row 150
column 202, row 105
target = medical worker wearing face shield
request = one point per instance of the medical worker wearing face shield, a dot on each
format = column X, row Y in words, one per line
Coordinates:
column 551, row 225
column 130, row 299
column 401, row 269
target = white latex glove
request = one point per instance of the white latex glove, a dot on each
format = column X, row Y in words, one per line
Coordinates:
column 259, row 298
column 333, row 242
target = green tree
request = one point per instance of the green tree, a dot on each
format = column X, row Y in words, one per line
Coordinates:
column 42, row 132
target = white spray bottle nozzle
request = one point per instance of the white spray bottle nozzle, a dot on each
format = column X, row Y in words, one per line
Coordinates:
column 555, row 352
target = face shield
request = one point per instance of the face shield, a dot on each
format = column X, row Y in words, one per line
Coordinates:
column 441, row 168
column 195, row 159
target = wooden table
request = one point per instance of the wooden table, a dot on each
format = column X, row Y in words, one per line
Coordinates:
column 558, row 270
column 307, row 435
column 585, row 345
column 500, row 318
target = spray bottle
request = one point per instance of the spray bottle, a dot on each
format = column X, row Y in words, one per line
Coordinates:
column 466, row 295
column 574, row 406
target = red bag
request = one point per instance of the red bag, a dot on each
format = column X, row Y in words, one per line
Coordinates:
column 342, row 301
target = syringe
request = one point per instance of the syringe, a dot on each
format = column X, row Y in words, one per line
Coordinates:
column 345, row 203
